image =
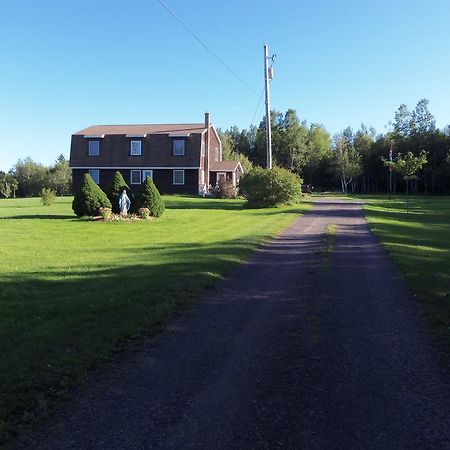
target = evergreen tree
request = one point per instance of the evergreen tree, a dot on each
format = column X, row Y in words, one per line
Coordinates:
column 89, row 198
column 118, row 184
column 149, row 197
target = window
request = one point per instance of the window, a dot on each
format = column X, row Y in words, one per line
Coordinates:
column 135, row 177
column 135, row 148
column 95, row 174
column 146, row 174
column 178, row 147
column 221, row 176
column 94, row 148
column 178, row 177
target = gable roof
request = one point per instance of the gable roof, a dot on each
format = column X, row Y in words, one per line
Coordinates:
column 178, row 128
column 224, row 166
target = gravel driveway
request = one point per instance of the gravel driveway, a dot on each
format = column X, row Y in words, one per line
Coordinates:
column 314, row 343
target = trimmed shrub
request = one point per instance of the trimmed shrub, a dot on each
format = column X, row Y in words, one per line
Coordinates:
column 270, row 187
column 105, row 212
column 89, row 198
column 149, row 197
column 48, row 196
column 144, row 213
column 118, row 184
column 225, row 189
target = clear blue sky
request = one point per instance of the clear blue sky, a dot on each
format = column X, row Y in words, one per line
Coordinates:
column 69, row 64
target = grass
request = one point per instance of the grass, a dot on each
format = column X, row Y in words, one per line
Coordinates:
column 419, row 243
column 71, row 291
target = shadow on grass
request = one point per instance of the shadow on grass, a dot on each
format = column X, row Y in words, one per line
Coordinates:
column 41, row 216
column 217, row 204
column 202, row 203
column 56, row 325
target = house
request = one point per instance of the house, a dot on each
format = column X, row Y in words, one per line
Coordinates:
column 180, row 158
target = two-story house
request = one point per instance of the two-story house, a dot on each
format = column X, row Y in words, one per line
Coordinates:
column 180, row 158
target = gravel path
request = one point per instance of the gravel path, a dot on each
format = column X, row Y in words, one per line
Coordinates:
column 312, row 344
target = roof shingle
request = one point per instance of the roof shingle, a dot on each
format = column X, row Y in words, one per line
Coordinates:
column 183, row 128
column 225, row 166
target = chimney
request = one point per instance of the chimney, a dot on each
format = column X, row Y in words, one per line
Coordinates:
column 207, row 156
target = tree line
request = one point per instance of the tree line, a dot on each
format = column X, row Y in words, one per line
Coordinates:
column 350, row 160
column 27, row 178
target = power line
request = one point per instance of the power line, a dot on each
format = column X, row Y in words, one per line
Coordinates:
column 257, row 107
column 207, row 48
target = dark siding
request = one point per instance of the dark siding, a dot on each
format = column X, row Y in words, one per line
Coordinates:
column 115, row 152
column 163, row 179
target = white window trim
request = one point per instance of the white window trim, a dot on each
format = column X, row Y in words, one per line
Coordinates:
column 173, row 147
column 131, row 148
column 144, row 171
column 173, row 178
column 91, row 171
column 89, row 148
column 131, row 176
column 179, row 135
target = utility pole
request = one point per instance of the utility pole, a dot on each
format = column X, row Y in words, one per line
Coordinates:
column 390, row 169
column 268, row 75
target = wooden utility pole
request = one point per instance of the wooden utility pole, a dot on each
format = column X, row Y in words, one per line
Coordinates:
column 267, row 78
column 390, row 169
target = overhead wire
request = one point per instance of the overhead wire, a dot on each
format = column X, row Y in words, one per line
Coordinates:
column 257, row 107
column 206, row 47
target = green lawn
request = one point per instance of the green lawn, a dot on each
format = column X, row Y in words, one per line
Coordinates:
column 71, row 291
column 419, row 243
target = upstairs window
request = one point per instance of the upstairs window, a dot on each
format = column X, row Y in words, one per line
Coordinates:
column 95, row 174
column 94, row 148
column 136, row 148
column 178, row 147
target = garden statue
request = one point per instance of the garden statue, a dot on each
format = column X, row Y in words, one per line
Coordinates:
column 124, row 203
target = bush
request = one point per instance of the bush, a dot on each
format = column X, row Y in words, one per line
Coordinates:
column 144, row 213
column 270, row 187
column 105, row 212
column 149, row 197
column 118, row 184
column 89, row 198
column 48, row 196
column 225, row 189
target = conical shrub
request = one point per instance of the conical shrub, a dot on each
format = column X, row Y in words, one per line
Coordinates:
column 89, row 198
column 149, row 197
column 118, row 184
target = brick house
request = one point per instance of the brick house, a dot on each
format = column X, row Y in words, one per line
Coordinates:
column 180, row 158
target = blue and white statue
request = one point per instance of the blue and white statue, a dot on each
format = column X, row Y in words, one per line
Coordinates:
column 124, row 203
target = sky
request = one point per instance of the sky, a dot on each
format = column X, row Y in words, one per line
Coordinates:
column 65, row 65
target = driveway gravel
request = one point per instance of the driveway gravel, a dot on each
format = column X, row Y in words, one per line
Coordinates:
column 314, row 343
